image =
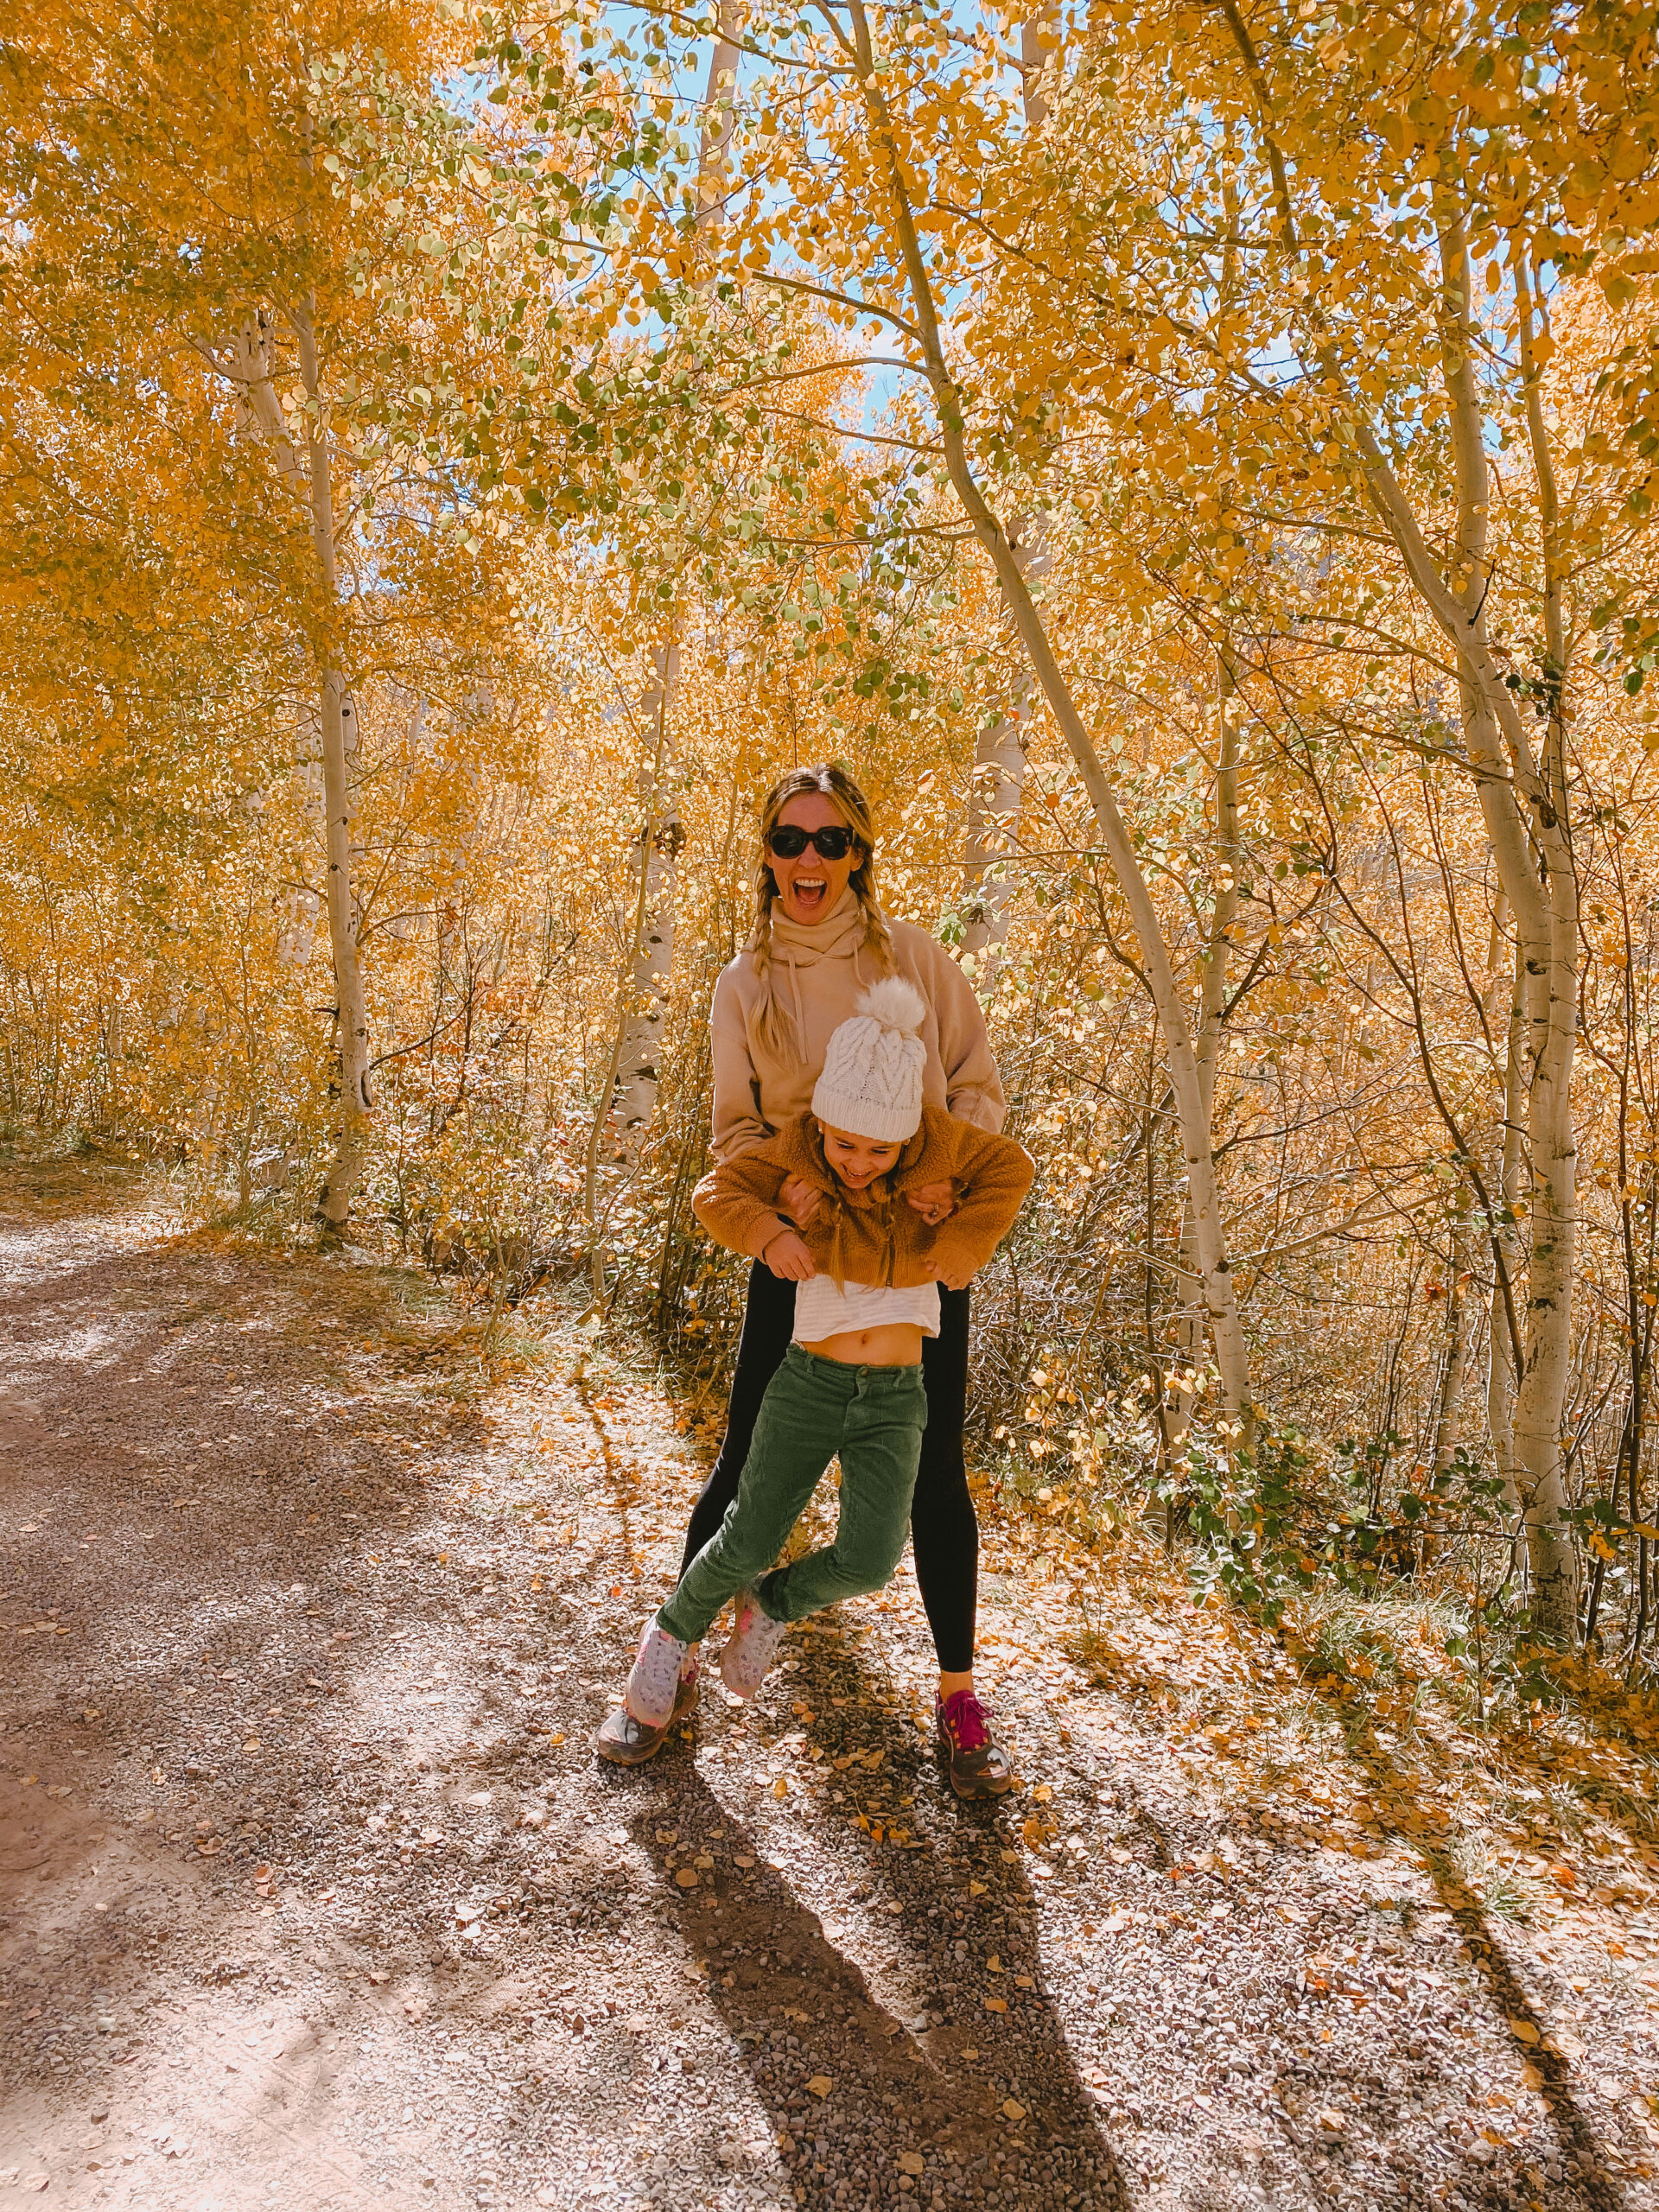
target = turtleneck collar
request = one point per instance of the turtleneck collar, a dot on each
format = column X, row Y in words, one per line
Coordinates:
column 839, row 932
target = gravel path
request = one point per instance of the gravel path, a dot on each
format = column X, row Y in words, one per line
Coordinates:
column 312, row 1894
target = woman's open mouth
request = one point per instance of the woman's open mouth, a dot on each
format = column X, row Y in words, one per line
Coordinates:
column 809, row 892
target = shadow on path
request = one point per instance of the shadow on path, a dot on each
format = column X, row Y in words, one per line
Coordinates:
column 1511, row 2013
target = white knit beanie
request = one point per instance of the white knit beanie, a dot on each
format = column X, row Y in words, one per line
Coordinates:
column 872, row 1081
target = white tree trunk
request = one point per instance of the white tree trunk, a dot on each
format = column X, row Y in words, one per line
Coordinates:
column 306, row 463
column 656, row 872
column 1212, row 1003
column 1462, row 1326
column 995, row 794
column 997, row 782
column 352, row 1026
column 1541, row 1402
column 1039, row 43
column 1541, row 1398
column 636, row 1078
column 1546, row 919
column 719, row 98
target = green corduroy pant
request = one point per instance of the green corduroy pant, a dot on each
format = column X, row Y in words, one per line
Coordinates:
column 813, row 1408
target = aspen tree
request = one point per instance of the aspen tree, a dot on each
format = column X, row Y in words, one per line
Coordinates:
column 1375, row 322
column 305, row 461
column 997, row 780
column 661, row 832
column 1227, row 1335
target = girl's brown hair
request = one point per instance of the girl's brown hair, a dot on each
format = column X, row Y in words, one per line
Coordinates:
column 831, row 781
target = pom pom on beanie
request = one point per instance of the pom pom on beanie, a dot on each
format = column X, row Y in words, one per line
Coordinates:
column 872, row 1081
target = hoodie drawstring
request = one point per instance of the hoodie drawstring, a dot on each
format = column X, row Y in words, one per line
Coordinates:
column 800, row 1011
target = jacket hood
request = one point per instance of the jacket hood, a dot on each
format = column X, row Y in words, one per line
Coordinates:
column 926, row 1158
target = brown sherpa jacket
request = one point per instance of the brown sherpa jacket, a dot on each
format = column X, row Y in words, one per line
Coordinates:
column 874, row 1235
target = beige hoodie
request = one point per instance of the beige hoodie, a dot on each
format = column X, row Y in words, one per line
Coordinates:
column 818, row 971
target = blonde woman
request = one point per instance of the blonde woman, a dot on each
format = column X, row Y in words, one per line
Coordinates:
column 819, row 940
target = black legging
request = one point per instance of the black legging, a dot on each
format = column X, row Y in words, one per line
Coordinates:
column 944, row 1534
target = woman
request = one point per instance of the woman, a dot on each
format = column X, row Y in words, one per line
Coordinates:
column 819, row 938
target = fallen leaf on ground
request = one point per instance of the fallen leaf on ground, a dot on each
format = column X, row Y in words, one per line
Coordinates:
column 820, row 2085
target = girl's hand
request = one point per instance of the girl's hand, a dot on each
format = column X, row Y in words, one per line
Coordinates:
column 956, row 1278
column 799, row 1201
column 789, row 1259
column 935, row 1202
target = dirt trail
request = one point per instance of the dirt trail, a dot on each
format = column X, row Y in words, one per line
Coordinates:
column 312, row 1894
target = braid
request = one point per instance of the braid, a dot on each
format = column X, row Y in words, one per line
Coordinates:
column 877, row 935
column 760, row 951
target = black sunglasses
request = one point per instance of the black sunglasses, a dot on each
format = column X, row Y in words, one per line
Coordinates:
column 789, row 842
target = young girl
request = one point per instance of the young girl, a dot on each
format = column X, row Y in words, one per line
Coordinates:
column 869, row 1267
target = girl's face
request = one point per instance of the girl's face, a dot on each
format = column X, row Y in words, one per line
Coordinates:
column 857, row 1160
column 808, row 885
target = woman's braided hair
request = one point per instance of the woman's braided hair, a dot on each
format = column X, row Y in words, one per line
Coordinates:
column 831, row 781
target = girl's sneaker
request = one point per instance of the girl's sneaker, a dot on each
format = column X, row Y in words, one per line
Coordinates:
column 751, row 1648
column 627, row 1742
column 654, row 1682
column 979, row 1765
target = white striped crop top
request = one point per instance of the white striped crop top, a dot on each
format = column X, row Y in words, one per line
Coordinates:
column 822, row 1310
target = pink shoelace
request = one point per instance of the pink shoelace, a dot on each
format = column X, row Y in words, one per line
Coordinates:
column 962, row 1718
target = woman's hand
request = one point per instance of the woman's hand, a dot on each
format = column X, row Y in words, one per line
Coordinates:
column 789, row 1259
column 798, row 1200
column 954, row 1278
column 935, row 1202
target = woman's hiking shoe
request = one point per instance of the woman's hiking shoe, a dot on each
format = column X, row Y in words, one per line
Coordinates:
column 654, row 1679
column 627, row 1742
column 979, row 1765
column 751, row 1648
